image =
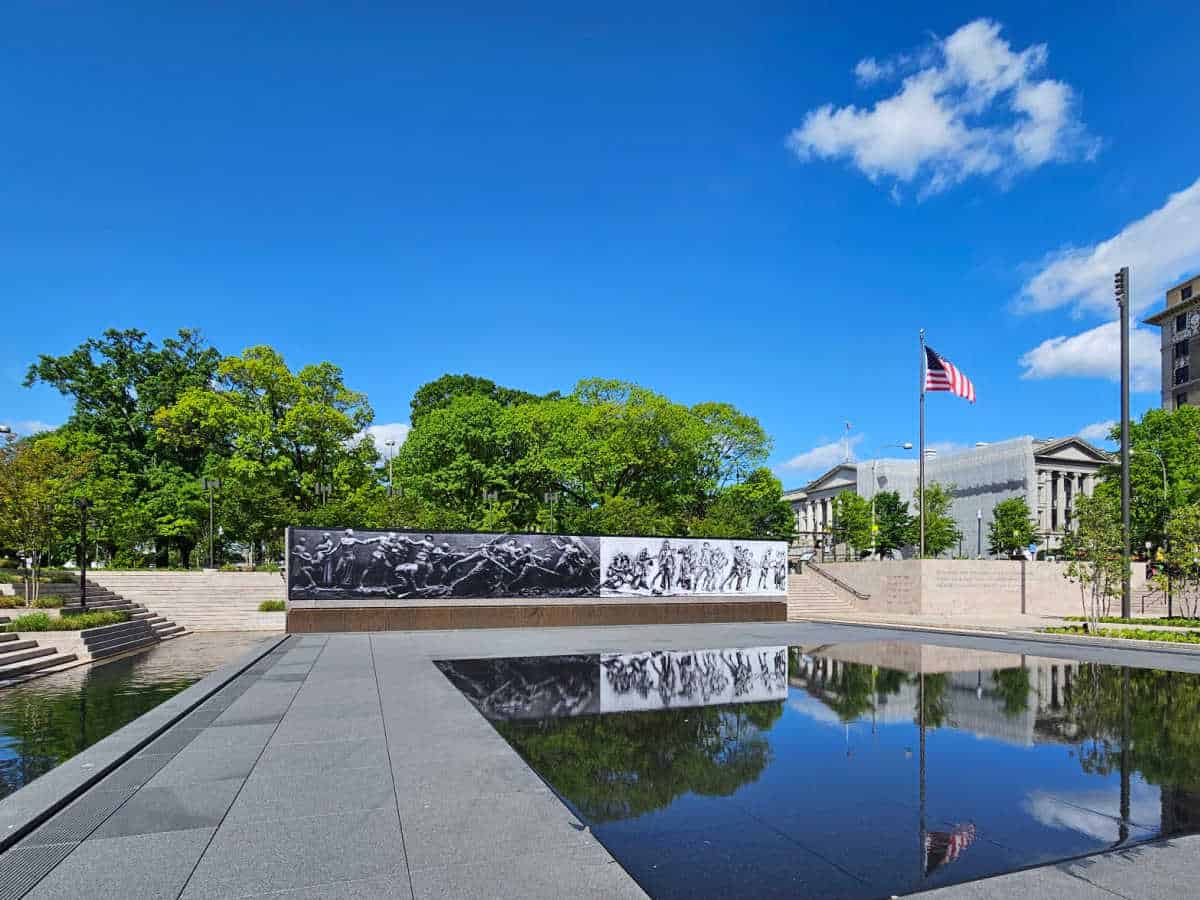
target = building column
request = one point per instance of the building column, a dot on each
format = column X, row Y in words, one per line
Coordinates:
column 1043, row 501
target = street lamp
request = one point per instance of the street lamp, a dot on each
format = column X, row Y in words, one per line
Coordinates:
column 212, row 485
column 391, row 455
column 84, row 504
column 551, row 498
column 979, row 534
column 907, row 445
column 324, row 489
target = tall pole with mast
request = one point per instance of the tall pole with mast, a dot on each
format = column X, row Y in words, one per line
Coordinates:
column 1121, row 285
column 921, row 462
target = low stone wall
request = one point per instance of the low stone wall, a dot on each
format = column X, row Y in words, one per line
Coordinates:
column 953, row 587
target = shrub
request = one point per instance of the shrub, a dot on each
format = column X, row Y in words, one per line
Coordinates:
column 272, row 606
column 11, row 602
column 1132, row 634
column 51, row 602
column 40, row 621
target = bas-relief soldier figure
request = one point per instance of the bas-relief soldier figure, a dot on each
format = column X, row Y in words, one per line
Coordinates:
column 347, row 561
column 764, row 569
column 619, row 572
column 666, row 568
column 641, row 571
column 307, row 564
column 323, row 555
column 687, row 568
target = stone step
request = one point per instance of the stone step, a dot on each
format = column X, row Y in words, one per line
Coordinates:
column 35, row 652
column 171, row 631
column 16, row 646
column 22, row 668
column 7, row 636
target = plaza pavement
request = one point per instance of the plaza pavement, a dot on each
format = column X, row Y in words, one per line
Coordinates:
column 347, row 766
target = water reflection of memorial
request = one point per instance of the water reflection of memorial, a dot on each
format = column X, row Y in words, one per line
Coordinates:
column 895, row 767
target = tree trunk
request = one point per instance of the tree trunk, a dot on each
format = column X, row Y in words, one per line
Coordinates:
column 162, row 556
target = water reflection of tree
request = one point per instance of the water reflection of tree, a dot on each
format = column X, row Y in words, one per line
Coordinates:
column 1013, row 688
column 849, row 689
column 1162, row 730
column 620, row 766
column 45, row 723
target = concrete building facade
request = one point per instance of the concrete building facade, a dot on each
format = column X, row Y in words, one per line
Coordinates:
column 1050, row 474
column 1179, row 325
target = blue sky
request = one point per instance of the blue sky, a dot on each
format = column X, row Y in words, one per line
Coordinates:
column 760, row 206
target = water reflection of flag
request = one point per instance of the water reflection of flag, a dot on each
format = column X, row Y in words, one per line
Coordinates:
column 944, row 847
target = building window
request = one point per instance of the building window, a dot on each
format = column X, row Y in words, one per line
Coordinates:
column 1185, row 292
column 1183, row 375
column 1182, row 348
column 1180, row 323
column 1181, row 400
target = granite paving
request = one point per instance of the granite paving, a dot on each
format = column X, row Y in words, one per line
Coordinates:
column 348, row 766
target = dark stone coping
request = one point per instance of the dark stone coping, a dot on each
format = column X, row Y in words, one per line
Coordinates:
column 25, row 809
column 516, row 614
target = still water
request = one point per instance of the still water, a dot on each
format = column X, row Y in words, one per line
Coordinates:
column 852, row 770
column 48, row 720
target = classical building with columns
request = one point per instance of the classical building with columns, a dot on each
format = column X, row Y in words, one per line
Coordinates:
column 1050, row 474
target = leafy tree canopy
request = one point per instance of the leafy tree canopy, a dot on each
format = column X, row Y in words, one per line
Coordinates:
column 893, row 522
column 1012, row 527
column 941, row 531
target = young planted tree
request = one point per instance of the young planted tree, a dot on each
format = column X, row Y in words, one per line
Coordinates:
column 893, row 523
column 1012, row 527
column 941, row 531
column 37, row 485
column 1183, row 558
column 1094, row 551
column 852, row 521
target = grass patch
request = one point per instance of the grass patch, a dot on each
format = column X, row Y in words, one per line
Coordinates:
column 41, row 621
column 1177, row 621
column 272, row 606
column 1132, row 634
column 18, row 602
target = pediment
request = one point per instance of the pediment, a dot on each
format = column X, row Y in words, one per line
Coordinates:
column 844, row 475
column 1071, row 449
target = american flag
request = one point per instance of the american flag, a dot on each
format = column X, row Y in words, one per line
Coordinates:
column 943, row 375
column 944, row 847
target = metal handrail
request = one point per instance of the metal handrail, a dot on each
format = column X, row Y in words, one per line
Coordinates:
column 845, row 587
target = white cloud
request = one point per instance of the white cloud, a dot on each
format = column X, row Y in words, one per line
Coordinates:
column 822, row 458
column 1160, row 249
column 390, row 431
column 31, row 426
column 973, row 108
column 1098, row 432
column 1096, row 353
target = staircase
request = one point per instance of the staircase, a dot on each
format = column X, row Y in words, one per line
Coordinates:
column 810, row 597
column 101, row 599
column 23, row 659
column 201, row 601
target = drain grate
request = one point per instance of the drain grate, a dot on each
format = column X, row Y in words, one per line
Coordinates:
column 79, row 819
column 23, row 867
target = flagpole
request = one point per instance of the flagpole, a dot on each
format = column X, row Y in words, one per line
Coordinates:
column 921, row 462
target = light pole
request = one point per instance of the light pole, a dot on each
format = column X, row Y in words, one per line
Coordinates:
column 324, row 489
column 907, row 445
column 212, row 485
column 391, row 455
column 1121, row 290
column 979, row 534
column 83, row 503
column 551, row 498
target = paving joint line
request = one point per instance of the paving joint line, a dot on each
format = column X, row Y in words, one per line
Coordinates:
column 391, row 771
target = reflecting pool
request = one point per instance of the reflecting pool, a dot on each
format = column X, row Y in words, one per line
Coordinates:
column 48, row 720
column 850, row 770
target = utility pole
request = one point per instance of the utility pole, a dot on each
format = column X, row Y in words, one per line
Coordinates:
column 1121, row 289
column 212, row 485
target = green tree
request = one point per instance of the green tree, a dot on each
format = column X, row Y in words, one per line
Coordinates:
column 272, row 435
column 893, row 522
column 1172, row 436
column 1012, row 527
column 941, row 531
column 1094, row 551
column 118, row 382
column 751, row 508
column 852, row 521
column 37, row 483
column 1182, row 558
column 440, row 393
column 490, row 461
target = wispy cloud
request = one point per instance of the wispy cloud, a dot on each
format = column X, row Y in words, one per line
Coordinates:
column 971, row 106
column 820, row 458
column 384, row 432
column 1096, row 353
column 1160, row 248
column 1098, row 432
column 26, row 427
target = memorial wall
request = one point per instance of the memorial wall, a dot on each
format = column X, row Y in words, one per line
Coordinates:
column 348, row 566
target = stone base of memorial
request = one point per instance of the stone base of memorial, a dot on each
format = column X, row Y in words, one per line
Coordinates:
column 347, row 580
